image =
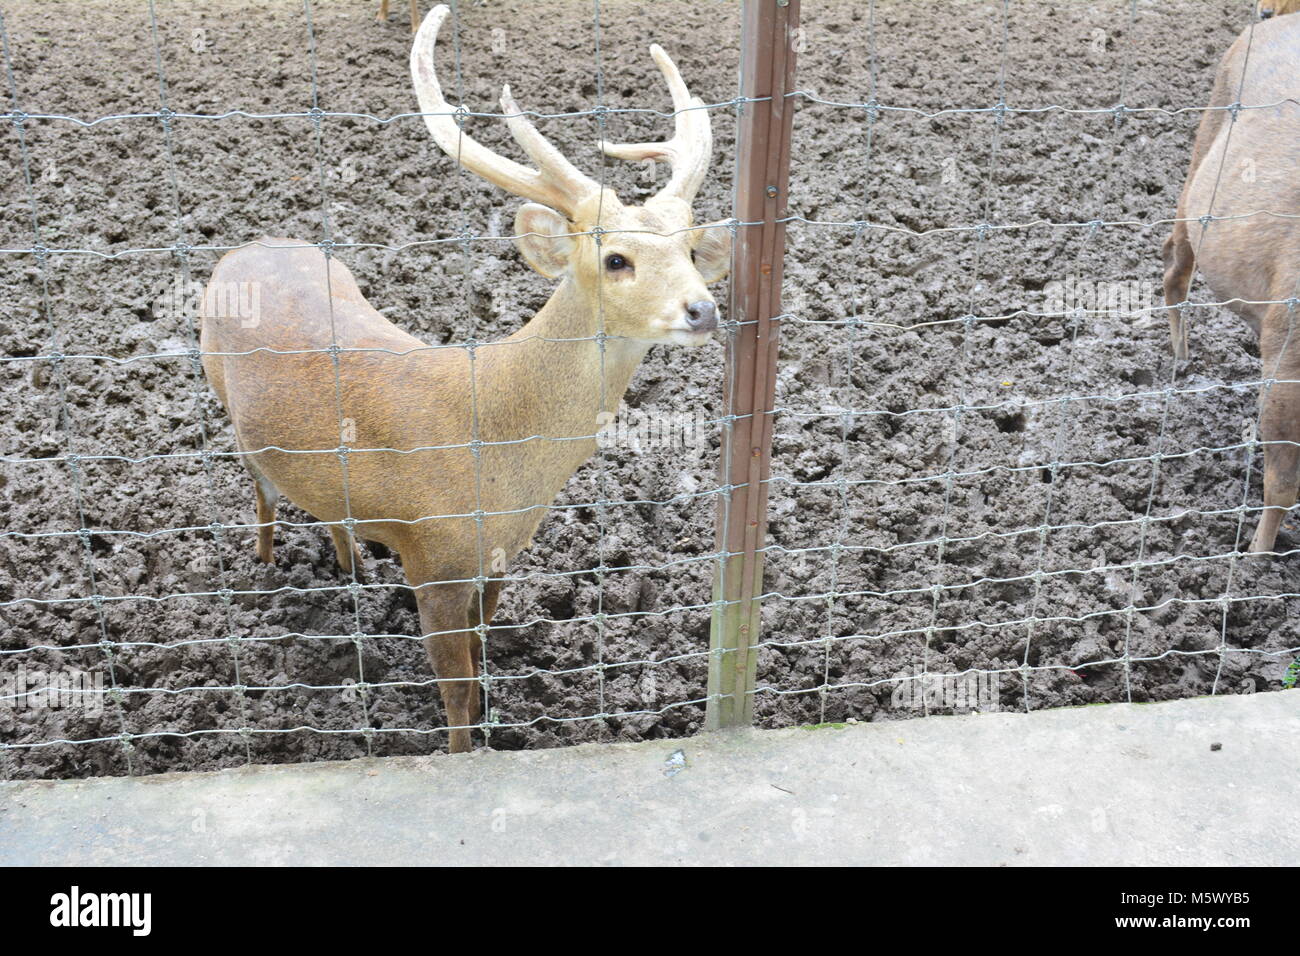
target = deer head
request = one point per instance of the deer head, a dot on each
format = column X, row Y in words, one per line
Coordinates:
column 1276, row 8
column 646, row 270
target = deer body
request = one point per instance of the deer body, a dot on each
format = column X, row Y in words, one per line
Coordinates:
column 456, row 454
column 1239, row 168
column 404, row 396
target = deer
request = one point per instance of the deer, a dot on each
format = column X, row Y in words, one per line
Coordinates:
column 382, row 15
column 1276, row 8
column 1246, row 167
column 470, row 446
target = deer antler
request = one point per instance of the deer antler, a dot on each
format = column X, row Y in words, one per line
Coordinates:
column 692, row 144
column 555, row 182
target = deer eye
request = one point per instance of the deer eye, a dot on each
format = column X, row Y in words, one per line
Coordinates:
column 616, row 263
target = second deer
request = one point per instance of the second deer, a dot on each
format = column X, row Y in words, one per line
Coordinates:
column 1244, row 170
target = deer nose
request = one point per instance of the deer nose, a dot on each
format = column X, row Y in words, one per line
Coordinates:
column 702, row 316
column 1265, row 14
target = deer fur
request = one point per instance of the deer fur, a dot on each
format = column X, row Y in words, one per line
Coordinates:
column 1276, row 8
column 1240, row 167
column 547, row 379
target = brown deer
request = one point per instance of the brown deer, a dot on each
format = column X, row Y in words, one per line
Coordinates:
column 382, row 15
column 1276, row 8
column 1246, row 167
column 499, row 429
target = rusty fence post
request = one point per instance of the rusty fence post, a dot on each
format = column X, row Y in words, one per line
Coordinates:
column 763, row 172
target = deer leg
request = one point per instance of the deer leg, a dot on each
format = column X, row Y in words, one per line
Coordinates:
column 415, row 16
column 444, row 619
column 267, row 496
column 1279, row 423
column 1180, row 264
column 349, row 553
column 382, row 15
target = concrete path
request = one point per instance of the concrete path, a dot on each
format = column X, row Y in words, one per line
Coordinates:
column 1116, row 784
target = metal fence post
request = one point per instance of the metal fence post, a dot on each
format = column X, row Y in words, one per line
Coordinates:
column 763, row 170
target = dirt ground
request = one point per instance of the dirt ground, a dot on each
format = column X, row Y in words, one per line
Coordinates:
column 876, row 328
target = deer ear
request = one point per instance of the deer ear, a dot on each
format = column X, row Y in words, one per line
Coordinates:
column 713, row 251
column 542, row 235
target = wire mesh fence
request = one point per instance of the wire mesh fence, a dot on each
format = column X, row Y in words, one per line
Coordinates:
column 982, row 495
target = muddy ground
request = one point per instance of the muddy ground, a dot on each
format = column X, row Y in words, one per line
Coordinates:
column 876, row 329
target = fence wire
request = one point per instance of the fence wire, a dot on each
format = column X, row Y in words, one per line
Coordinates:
column 877, row 641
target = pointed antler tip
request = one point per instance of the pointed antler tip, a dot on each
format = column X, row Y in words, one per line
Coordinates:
column 436, row 16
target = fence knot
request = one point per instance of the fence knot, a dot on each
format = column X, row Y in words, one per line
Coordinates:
column 327, row 247
column 459, row 115
column 1120, row 111
column 225, row 594
column 1293, row 304
column 166, row 114
column 1234, row 109
column 18, row 117
column 181, row 250
column 316, row 113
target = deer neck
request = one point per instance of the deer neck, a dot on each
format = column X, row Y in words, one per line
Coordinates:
column 553, row 373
